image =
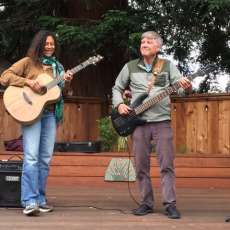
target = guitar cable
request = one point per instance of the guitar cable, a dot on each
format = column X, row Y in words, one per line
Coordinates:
column 110, row 209
column 129, row 189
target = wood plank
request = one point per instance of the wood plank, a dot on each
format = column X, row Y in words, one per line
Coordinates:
column 213, row 126
column 191, row 131
column 99, row 171
column 202, row 127
column 179, row 127
column 94, row 113
column 91, row 160
column 103, row 159
column 224, row 130
column 220, row 183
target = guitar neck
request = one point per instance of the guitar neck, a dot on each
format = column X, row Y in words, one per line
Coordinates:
column 80, row 67
column 74, row 70
column 152, row 101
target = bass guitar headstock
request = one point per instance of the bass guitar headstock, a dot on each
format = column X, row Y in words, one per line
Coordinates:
column 203, row 71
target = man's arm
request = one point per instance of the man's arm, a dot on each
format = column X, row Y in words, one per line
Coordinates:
column 121, row 84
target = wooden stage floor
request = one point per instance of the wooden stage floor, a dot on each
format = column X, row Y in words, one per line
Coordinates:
column 75, row 209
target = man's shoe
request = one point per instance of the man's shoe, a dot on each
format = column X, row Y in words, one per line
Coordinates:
column 31, row 210
column 142, row 210
column 46, row 208
column 172, row 212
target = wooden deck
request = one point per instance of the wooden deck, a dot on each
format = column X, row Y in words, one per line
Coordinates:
column 84, row 201
column 192, row 171
column 94, row 207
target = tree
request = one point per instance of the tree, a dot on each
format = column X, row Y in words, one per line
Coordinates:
column 116, row 34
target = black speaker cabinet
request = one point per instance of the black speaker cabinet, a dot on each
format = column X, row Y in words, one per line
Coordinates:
column 10, row 183
column 84, row 146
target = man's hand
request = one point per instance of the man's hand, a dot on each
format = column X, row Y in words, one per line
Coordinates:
column 185, row 83
column 123, row 109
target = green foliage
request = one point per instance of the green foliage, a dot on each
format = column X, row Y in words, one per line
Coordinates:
column 110, row 140
column 108, row 135
column 181, row 23
column 122, row 143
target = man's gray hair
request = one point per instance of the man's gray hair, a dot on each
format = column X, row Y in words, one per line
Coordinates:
column 153, row 35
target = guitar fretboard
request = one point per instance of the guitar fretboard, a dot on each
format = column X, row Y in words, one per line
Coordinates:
column 74, row 70
column 146, row 105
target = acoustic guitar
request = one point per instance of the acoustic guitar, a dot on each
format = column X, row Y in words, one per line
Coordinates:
column 26, row 106
column 126, row 124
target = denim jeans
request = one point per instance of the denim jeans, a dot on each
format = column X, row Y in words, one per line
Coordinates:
column 38, row 144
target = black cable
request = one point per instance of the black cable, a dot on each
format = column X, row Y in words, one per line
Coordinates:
column 94, row 207
column 109, row 209
column 129, row 189
column 76, row 206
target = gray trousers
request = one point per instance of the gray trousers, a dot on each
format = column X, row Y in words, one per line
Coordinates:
column 161, row 135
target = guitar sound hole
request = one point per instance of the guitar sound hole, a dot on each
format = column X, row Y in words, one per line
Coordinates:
column 43, row 90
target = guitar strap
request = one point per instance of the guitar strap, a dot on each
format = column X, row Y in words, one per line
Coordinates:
column 156, row 70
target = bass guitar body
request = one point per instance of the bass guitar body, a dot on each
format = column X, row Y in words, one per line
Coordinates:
column 126, row 124
column 24, row 105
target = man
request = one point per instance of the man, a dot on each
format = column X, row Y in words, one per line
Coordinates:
column 138, row 76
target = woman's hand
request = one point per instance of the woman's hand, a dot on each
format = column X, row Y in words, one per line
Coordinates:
column 34, row 85
column 68, row 75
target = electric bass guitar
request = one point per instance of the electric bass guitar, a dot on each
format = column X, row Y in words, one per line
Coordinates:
column 26, row 106
column 126, row 124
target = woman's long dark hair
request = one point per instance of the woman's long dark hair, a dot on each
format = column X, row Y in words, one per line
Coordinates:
column 35, row 51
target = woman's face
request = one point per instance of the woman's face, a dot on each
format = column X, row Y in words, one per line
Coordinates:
column 49, row 46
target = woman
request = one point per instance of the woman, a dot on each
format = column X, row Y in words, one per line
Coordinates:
column 39, row 137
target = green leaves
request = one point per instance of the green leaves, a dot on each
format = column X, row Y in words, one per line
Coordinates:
column 181, row 24
column 108, row 135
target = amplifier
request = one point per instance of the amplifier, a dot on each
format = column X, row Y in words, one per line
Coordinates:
column 10, row 183
column 85, row 146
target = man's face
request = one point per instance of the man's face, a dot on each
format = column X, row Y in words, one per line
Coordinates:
column 149, row 47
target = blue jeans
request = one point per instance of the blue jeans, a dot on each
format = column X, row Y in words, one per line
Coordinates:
column 38, row 144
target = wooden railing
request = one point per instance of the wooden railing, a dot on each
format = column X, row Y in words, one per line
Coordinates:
column 201, row 123
column 80, row 120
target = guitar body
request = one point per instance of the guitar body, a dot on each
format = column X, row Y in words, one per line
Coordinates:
column 126, row 124
column 24, row 105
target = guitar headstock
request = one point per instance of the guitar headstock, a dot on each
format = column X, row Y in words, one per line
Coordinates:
column 94, row 59
column 204, row 70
